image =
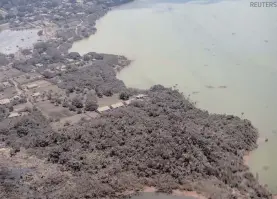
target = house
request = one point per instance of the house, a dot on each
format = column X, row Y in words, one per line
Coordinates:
column 127, row 102
column 63, row 68
column 5, row 101
column 6, row 84
column 141, row 96
column 30, row 86
column 14, row 114
column 103, row 109
column 37, row 94
column 24, row 113
column 117, row 105
column 39, row 65
column 16, row 97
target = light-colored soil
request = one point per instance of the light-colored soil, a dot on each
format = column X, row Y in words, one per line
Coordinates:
column 176, row 192
column 71, row 120
column 21, row 107
column 51, row 111
column 92, row 114
column 24, row 80
column 188, row 193
column 7, row 73
column 12, row 41
column 107, row 101
column 39, row 83
column 8, row 93
column 4, row 26
column 29, row 171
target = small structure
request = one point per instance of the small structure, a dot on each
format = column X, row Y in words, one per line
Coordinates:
column 5, row 101
column 117, row 105
column 103, row 109
column 30, row 86
column 141, row 96
column 14, row 114
column 37, row 94
column 127, row 102
column 63, row 68
column 24, row 113
column 6, row 84
column 16, row 97
column 39, row 65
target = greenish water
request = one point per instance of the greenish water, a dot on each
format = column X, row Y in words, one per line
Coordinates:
column 220, row 53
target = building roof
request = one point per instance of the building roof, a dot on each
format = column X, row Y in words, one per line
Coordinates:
column 39, row 65
column 32, row 86
column 24, row 113
column 127, row 102
column 36, row 94
column 14, row 114
column 103, row 108
column 141, row 96
column 117, row 105
column 4, row 101
column 6, row 84
column 16, row 97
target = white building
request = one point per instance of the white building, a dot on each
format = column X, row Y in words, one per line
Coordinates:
column 117, row 105
column 103, row 109
column 37, row 94
column 6, row 84
column 141, row 96
column 4, row 101
column 30, row 86
column 14, row 114
column 127, row 102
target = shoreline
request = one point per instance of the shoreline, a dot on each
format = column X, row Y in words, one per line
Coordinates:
column 186, row 193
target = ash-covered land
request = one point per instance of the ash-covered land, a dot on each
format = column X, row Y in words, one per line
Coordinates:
column 161, row 141
column 70, row 129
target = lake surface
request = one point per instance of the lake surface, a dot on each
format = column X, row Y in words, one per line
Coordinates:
column 222, row 54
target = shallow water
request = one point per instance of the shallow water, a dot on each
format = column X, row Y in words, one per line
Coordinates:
column 12, row 41
column 222, row 54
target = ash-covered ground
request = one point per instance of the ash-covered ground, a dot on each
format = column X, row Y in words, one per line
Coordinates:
column 162, row 141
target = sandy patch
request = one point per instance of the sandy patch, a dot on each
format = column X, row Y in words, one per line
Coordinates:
column 149, row 190
column 246, row 158
column 177, row 193
column 188, row 193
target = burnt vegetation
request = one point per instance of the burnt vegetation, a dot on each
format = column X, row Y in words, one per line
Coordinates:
column 163, row 141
